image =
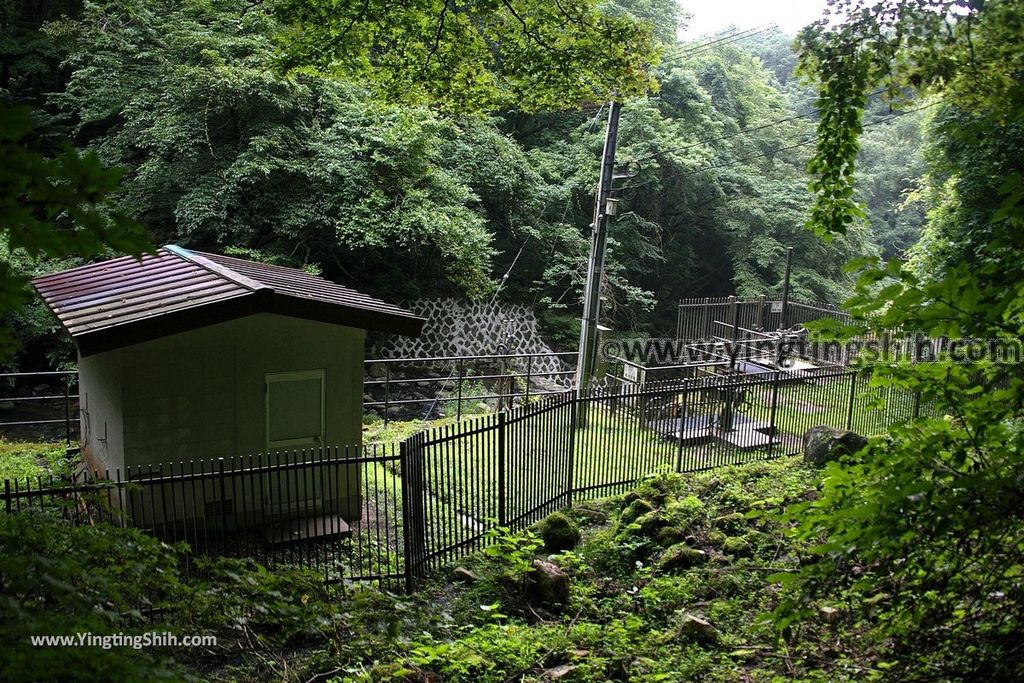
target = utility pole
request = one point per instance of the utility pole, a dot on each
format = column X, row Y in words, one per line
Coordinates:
column 784, row 313
column 595, row 270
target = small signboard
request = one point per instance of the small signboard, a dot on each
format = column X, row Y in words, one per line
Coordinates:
column 630, row 373
column 776, row 307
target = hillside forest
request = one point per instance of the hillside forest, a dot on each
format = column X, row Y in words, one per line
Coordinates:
column 446, row 148
column 222, row 147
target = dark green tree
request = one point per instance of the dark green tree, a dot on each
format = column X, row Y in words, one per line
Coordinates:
column 919, row 539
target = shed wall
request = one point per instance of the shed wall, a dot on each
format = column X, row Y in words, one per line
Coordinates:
column 200, row 394
column 102, row 425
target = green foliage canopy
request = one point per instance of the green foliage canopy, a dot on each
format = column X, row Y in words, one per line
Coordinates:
column 920, row 536
column 472, row 56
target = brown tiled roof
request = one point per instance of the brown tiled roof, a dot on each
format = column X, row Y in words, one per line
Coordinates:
column 127, row 300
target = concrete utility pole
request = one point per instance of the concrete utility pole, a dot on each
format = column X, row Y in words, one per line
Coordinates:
column 595, row 270
column 784, row 313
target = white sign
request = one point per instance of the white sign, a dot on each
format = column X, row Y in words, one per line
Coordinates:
column 776, row 307
column 630, row 373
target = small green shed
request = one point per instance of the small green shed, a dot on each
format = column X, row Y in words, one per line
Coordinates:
column 185, row 356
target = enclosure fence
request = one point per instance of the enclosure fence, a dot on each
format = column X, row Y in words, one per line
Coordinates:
column 39, row 405
column 391, row 513
column 696, row 317
column 453, row 386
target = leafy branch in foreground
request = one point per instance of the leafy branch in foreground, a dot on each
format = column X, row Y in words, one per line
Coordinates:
column 473, row 56
column 918, row 540
column 53, row 207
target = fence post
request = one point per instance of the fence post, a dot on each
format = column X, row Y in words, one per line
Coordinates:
column 502, row 517
column 774, row 408
column 387, row 392
column 410, row 453
column 682, row 423
column 462, row 375
column 223, row 506
column 849, row 408
column 67, row 410
column 7, row 495
column 917, row 403
column 733, row 322
column 573, row 400
column 529, row 372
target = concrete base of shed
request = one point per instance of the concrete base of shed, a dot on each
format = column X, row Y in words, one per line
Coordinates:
column 307, row 529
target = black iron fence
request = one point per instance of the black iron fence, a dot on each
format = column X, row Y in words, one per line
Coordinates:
column 696, row 317
column 391, row 513
column 454, row 386
column 39, row 406
column 337, row 510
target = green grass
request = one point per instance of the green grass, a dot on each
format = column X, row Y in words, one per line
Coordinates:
column 611, row 451
column 802, row 406
column 624, row 613
column 21, row 460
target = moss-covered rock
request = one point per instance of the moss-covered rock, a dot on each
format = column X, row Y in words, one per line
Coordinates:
column 670, row 535
column 559, row 532
column 693, row 627
column 651, row 523
column 656, row 489
column 717, row 537
column 681, row 556
column 737, row 546
column 687, row 511
column 733, row 522
column 825, row 444
column 635, row 510
column 591, row 515
column 757, row 539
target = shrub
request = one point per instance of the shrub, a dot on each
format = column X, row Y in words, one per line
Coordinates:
column 559, row 532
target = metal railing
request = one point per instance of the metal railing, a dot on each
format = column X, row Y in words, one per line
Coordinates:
column 387, row 514
column 39, row 415
column 696, row 317
column 452, row 382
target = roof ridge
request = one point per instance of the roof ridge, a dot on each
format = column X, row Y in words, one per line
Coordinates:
column 216, row 268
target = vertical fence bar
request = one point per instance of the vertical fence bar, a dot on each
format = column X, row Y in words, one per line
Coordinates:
column 679, row 433
column 410, row 454
column 502, row 513
column 223, row 503
column 462, row 376
column 852, row 397
column 529, row 373
column 387, row 392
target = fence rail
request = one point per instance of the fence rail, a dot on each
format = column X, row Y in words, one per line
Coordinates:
column 39, row 405
column 392, row 513
column 696, row 317
column 453, row 383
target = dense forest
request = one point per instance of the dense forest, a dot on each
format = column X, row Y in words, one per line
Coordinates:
column 447, row 148
column 225, row 150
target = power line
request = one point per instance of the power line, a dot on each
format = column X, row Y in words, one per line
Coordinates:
column 682, row 54
column 725, row 37
column 775, row 151
column 742, row 131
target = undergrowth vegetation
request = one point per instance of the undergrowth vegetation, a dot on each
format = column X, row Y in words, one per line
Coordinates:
column 683, row 578
column 664, row 583
column 21, row 460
